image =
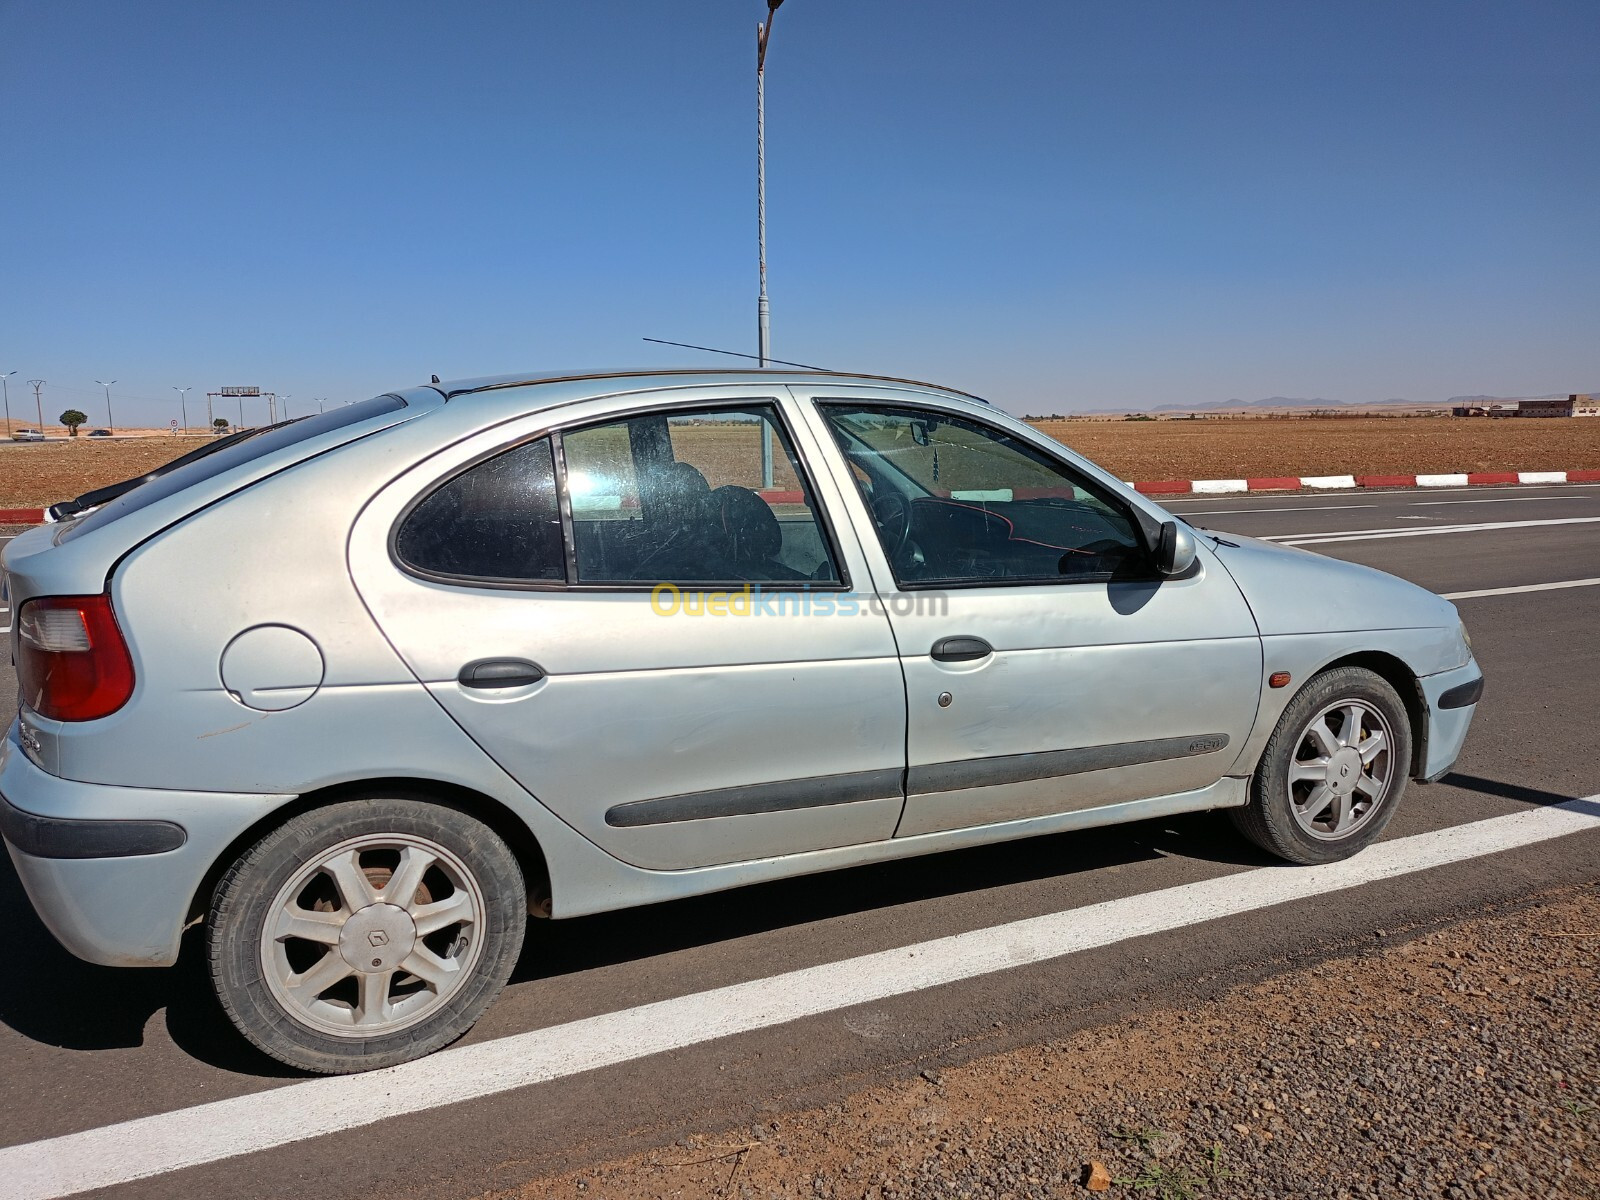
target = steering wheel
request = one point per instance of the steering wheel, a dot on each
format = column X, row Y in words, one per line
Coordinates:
column 891, row 512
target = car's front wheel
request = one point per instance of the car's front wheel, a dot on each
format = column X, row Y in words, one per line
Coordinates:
column 365, row 934
column 1333, row 771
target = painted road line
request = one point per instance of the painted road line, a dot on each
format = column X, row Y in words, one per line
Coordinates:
column 1526, row 587
column 1501, row 500
column 224, row 1129
column 1216, row 512
column 1373, row 535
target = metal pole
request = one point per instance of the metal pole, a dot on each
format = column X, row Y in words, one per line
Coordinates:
column 38, row 404
column 183, row 405
column 7, row 390
column 210, row 415
column 111, row 423
column 286, row 405
column 241, row 412
column 763, row 312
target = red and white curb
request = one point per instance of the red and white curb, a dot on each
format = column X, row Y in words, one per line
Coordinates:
column 1314, row 483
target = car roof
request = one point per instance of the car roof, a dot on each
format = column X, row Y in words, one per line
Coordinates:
column 681, row 376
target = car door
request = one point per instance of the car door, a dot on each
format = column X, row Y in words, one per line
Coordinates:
column 1048, row 668
column 649, row 627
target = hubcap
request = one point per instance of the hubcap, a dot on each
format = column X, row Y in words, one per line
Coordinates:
column 1342, row 770
column 372, row 936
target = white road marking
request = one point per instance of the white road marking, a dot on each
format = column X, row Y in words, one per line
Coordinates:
column 1221, row 485
column 1526, row 587
column 1446, row 480
column 223, row 1129
column 1373, row 535
column 1330, row 481
column 1541, row 476
column 1212, row 512
column 1497, row 500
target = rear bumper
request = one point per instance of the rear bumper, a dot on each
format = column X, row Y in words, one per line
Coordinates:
column 1452, row 698
column 112, row 871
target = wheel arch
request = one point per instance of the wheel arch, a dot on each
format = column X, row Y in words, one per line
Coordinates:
column 497, row 816
column 1397, row 674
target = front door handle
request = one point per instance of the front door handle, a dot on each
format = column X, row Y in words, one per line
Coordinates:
column 960, row 649
column 500, row 673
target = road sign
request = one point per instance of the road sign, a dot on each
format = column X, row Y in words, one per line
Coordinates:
column 173, row 422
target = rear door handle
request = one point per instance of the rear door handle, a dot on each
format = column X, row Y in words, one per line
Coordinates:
column 960, row 649
column 500, row 673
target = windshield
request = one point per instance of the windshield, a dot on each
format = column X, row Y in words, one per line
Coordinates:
column 229, row 453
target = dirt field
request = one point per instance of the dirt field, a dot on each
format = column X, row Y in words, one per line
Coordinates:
column 1209, row 449
column 1235, row 449
column 1460, row 1064
column 43, row 472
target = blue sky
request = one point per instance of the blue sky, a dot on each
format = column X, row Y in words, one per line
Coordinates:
column 1054, row 203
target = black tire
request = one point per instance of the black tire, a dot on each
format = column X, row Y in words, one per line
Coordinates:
column 251, row 893
column 1269, row 818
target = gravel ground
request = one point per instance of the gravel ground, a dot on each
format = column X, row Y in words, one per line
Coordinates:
column 1461, row 1064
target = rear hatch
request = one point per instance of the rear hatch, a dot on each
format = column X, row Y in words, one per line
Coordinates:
column 76, row 556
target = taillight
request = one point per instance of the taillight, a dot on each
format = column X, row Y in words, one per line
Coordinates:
column 72, row 662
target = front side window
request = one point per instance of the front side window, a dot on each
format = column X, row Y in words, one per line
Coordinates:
column 689, row 497
column 958, row 502
column 498, row 521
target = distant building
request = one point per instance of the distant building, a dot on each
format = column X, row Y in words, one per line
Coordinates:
column 1546, row 408
column 1584, row 406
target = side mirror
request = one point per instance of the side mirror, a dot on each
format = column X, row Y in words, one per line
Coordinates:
column 1172, row 548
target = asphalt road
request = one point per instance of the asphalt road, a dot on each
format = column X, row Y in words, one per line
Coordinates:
column 83, row 1047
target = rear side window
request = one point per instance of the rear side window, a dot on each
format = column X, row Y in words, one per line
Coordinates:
column 228, row 457
column 499, row 521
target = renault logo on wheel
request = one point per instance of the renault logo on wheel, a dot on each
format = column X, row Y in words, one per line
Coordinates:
column 378, row 937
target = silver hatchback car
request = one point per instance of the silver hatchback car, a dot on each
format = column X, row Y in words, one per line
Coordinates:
column 361, row 691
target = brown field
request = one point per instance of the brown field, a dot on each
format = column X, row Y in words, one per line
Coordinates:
column 42, row 473
column 1236, row 449
column 1208, row 449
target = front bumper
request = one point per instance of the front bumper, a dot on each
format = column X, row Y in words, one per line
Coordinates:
column 1452, row 698
column 127, row 905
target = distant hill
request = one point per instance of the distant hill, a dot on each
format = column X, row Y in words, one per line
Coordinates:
column 1279, row 403
column 1269, row 402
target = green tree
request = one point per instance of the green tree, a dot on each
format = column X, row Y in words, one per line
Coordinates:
column 72, row 418
column 220, row 423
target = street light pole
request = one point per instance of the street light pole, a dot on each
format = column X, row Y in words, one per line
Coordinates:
column 183, row 405
column 111, row 423
column 285, row 399
column 763, row 328
column 320, row 400
column 4, row 387
column 763, row 331
column 38, row 404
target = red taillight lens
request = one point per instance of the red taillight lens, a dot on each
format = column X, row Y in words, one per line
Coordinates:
column 72, row 662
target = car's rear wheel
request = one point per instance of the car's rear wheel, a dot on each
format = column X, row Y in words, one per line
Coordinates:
column 1333, row 771
column 365, row 934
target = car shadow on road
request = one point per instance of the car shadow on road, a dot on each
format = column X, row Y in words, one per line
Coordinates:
column 58, row 1000
column 1507, row 791
column 609, row 939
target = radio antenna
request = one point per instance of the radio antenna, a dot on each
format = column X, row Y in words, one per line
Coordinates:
column 733, row 354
